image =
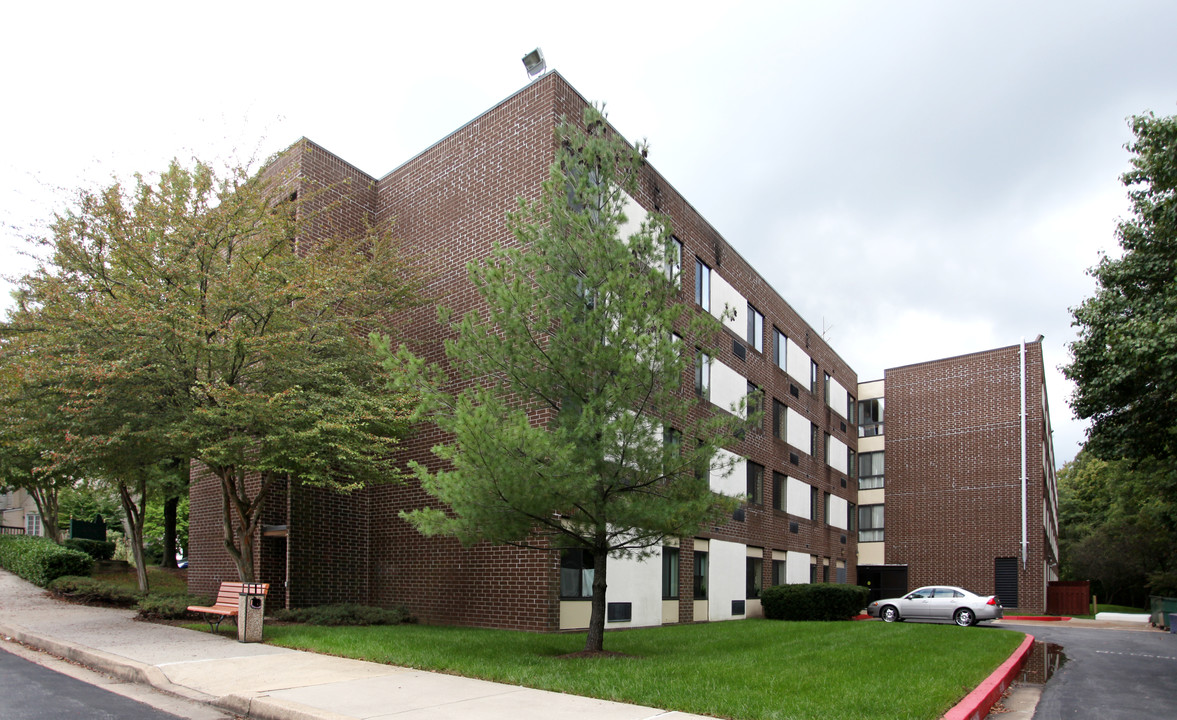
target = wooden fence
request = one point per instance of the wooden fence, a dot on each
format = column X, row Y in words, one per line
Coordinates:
column 1068, row 597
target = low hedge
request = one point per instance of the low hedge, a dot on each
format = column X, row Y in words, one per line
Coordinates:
column 345, row 614
column 97, row 549
column 40, row 560
column 813, row 602
column 92, row 591
column 171, row 607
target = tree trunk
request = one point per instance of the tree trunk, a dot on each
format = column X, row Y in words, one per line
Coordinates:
column 134, row 514
column 595, row 641
column 169, row 532
column 46, row 501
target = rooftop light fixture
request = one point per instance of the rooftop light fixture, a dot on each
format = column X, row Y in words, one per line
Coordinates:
column 534, row 62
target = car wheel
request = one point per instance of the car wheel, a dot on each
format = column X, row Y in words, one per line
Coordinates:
column 964, row 617
column 889, row 614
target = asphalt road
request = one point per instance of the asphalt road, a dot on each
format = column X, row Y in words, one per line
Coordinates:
column 32, row 688
column 1105, row 673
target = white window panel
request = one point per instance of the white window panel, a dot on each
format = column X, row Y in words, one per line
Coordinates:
column 837, row 397
column 724, row 295
column 797, row 495
column 796, row 568
column 638, row 581
column 727, row 568
column 836, row 455
column 797, row 430
column 798, row 363
column 837, row 512
column 729, row 474
column 728, row 388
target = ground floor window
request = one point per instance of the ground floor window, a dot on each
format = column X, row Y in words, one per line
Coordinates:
column 755, row 577
column 778, row 572
column 576, row 574
column 32, row 524
column 700, row 576
column 669, row 573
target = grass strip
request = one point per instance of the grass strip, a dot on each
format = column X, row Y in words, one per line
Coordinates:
column 747, row 670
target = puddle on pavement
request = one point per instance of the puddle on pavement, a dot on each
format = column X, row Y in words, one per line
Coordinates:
column 1045, row 660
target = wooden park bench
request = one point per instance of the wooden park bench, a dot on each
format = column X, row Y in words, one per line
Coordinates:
column 226, row 605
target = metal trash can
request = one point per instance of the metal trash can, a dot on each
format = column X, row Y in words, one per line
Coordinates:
column 1173, row 623
column 251, row 609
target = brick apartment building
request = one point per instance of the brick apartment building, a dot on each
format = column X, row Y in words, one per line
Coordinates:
column 449, row 204
column 798, row 472
column 967, row 478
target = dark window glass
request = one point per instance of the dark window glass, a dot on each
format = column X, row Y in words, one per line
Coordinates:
column 670, row 573
column 576, row 574
column 755, row 577
column 700, row 575
column 755, row 483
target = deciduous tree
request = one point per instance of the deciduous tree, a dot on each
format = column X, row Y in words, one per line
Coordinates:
column 1124, row 363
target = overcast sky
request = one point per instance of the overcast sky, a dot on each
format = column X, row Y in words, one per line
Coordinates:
column 918, row 179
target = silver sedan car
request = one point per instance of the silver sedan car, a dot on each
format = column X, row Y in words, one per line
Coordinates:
column 938, row 602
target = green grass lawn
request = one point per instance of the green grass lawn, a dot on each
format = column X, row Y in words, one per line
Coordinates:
column 745, row 669
column 1116, row 609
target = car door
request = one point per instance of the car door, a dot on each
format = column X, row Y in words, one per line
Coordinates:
column 941, row 604
column 915, row 603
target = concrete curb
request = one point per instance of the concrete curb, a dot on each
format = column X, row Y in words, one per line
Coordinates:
column 1037, row 618
column 976, row 705
column 114, row 665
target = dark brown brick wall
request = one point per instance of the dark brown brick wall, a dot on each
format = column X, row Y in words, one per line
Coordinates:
column 953, row 479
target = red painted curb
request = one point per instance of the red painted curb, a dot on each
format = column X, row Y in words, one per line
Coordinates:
column 976, row 705
column 1039, row 618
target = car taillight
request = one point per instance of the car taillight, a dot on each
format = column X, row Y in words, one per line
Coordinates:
column 992, row 601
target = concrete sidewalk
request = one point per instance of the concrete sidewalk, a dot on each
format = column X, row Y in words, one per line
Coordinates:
column 271, row 683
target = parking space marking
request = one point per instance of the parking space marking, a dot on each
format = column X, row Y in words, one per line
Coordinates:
column 1139, row 655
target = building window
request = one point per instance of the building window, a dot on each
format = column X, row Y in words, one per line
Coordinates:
column 779, row 484
column 813, row 507
column 755, row 577
column 780, row 348
column 755, row 328
column 851, row 462
column 755, row 483
column 576, row 574
column 851, row 513
column 826, row 448
column 850, row 407
column 825, row 499
column 780, row 418
column 669, row 573
column 826, row 389
column 32, row 524
column 825, row 570
column 812, row 569
column 672, row 265
column 778, row 572
column 870, row 470
column 870, row 417
column 754, row 405
column 812, row 376
column 813, row 440
column 702, row 285
column 870, row 523
column 700, row 576
column 703, row 375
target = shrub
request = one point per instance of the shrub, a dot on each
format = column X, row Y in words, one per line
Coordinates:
column 345, row 614
column 92, row 591
column 813, row 602
column 40, row 560
column 97, row 549
column 171, row 607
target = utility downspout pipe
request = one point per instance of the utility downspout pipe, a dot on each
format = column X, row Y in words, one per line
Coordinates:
column 1022, row 442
